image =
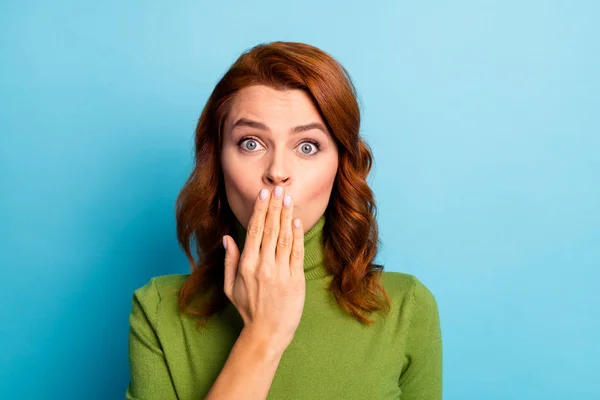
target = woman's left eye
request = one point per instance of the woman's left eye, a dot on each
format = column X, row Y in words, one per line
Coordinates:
column 307, row 145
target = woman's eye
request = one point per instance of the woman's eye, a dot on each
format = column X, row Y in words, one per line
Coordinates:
column 305, row 148
column 252, row 144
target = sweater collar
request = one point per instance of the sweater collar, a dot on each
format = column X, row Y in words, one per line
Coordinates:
column 314, row 256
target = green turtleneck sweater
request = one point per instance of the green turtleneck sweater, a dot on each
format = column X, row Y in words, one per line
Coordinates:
column 332, row 355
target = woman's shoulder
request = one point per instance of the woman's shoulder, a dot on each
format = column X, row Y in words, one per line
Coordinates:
column 402, row 286
column 162, row 285
column 160, row 291
column 399, row 282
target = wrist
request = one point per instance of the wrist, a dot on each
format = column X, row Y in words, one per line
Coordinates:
column 266, row 344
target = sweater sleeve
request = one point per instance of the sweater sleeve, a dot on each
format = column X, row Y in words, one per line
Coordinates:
column 421, row 379
column 149, row 374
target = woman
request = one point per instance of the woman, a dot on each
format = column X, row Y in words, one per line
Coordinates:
column 284, row 301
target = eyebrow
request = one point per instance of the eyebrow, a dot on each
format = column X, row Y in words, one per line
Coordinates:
column 259, row 125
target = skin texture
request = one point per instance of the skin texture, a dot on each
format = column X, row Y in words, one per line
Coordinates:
column 254, row 157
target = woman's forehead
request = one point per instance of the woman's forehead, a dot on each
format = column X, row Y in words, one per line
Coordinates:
column 265, row 108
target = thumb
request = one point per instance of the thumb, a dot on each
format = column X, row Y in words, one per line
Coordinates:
column 232, row 256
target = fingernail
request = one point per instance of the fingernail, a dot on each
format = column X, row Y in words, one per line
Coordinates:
column 297, row 223
column 224, row 243
column 278, row 191
column 264, row 194
column 287, row 200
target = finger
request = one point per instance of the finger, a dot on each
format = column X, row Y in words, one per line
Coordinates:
column 297, row 254
column 271, row 229
column 232, row 257
column 286, row 235
column 254, row 232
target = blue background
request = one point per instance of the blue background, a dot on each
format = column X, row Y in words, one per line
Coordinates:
column 484, row 121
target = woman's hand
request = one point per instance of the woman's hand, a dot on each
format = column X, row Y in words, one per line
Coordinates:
column 266, row 283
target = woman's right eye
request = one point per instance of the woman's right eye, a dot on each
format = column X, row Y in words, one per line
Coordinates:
column 252, row 144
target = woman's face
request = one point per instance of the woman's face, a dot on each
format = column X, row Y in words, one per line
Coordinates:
column 277, row 138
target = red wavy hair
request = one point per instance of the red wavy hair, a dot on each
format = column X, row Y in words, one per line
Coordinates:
column 350, row 233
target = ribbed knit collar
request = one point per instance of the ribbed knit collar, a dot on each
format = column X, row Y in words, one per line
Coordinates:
column 314, row 267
